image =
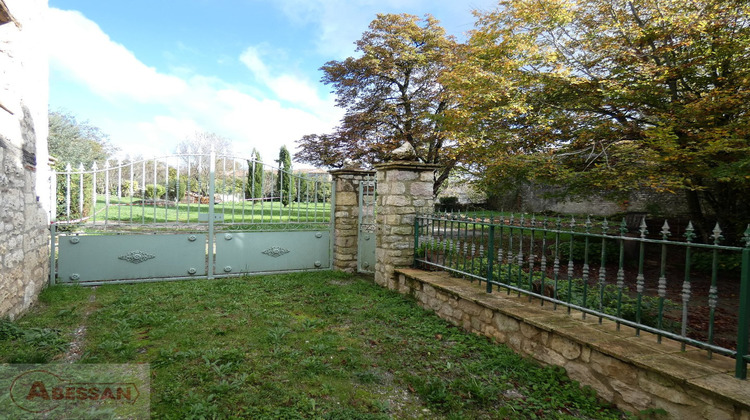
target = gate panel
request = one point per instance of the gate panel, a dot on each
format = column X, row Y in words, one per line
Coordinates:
column 366, row 235
column 252, row 252
column 193, row 215
column 121, row 257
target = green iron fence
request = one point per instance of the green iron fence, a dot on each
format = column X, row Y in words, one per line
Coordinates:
column 695, row 293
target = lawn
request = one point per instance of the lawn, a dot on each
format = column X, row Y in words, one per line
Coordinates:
column 132, row 210
column 310, row 345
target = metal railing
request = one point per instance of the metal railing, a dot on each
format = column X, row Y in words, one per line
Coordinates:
column 177, row 191
column 681, row 290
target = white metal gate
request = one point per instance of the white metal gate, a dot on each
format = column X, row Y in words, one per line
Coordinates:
column 187, row 216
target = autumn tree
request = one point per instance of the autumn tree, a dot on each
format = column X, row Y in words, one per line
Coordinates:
column 284, row 178
column 613, row 96
column 391, row 95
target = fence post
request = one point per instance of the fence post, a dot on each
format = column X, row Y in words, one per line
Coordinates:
column 416, row 240
column 490, row 257
column 52, row 221
column 740, row 369
column 346, row 208
column 404, row 190
column 211, row 192
column 52, row 251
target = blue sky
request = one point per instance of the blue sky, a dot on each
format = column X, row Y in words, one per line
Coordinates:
column 152, row 72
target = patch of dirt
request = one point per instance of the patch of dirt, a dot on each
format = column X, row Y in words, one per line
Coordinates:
column 75, row 349
column 339, row 282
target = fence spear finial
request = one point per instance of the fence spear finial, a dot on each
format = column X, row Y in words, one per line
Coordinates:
column 665, row 231
column 717, row 234
column 643, row 227
column 689, row 232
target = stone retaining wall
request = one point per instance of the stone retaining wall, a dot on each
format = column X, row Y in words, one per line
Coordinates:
column 633, row 372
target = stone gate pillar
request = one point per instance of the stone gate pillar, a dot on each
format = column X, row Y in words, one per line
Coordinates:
column 346, row 217
column 404, row 189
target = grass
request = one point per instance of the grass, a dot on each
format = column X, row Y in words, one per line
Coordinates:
column 121, row 210
column 312, row 345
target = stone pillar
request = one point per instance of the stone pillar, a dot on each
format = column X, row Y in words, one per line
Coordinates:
column 404, row 189
column 346, row 216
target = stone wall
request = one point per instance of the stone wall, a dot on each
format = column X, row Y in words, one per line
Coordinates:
column 632, row 372
column 346, row 217
column 24, row 180
column 535, row 198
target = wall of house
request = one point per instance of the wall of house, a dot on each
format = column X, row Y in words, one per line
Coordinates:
column 24, row 179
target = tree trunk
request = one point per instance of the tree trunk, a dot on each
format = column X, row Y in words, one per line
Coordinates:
column 696, row 215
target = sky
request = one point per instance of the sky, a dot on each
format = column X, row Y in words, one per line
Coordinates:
column 151, row 73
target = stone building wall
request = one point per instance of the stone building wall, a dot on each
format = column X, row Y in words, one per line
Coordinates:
column 24, row 180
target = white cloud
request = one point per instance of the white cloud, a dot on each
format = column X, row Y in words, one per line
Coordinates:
column 285, row 86
column 79, row 46
column 148, row 112
column 341, row 22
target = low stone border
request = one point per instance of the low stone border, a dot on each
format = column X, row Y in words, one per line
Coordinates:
column 633, row 372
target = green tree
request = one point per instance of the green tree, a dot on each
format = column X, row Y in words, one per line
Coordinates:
column 391, row 95
column 284, row 178
column 314, row 188
column 613, row 96
column 75, row 145
column 73, row 142
column 254, row 188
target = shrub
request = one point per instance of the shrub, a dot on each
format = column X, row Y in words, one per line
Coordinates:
column 449, row 201
column 155, row 191
column 612, row 249
column 702, row 261
column 126, row 189
column 176, row 188
column 75, row 196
